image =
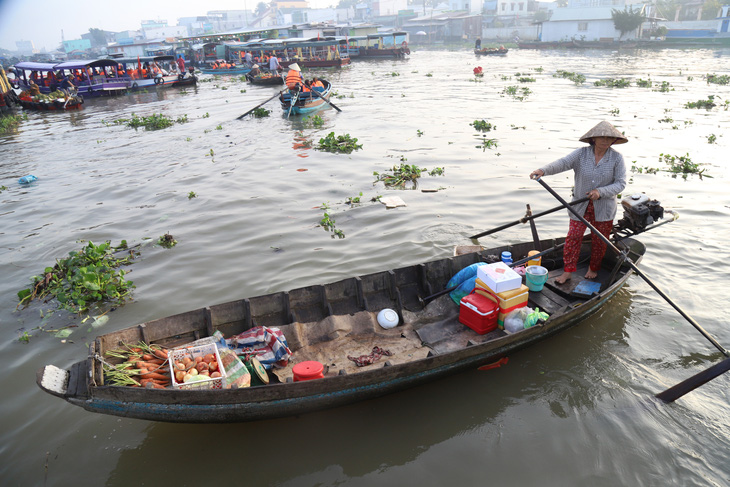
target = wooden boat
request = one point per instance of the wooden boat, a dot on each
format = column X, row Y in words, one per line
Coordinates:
column 315, row 52
column 265, row 79
column 390, row 45
column 305, row 102
column 54, row 101
column 238, row 69
column 168, row 75
column 92, row 78
column 491, row 51
column 328, row 322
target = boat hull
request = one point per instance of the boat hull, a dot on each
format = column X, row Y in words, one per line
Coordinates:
column 402, row 289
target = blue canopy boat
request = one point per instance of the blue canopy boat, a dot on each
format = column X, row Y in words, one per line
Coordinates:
column 168, row 72
column 237, row 69
column 92, row 78
column 305, row 101
column 386, row 45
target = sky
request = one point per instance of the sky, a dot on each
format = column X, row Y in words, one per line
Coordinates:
column 41, row 21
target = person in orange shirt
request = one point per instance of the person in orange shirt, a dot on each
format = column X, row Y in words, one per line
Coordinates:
column 317, row 84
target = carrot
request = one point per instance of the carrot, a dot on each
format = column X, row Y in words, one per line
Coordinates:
column 156, row 381
column 154, row 375
column 152, row 385
column 151, row 366
column 148, row 356
column 160, row 354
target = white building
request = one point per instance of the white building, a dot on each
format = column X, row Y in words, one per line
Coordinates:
column 165, row 31
column 591, row 24
column 382, row 8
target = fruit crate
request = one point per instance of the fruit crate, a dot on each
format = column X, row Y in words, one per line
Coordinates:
column 178, row 354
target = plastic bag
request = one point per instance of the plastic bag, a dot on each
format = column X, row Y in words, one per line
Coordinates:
column 534, row 317
column 466, row 280
column 237, row 375
column 515, row 320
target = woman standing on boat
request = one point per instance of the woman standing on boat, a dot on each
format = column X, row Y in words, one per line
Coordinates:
column 600, row 174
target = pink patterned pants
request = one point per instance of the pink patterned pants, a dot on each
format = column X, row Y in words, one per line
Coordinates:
column 575, row 236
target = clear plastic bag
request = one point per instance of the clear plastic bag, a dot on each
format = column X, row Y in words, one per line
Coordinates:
column 515, row 320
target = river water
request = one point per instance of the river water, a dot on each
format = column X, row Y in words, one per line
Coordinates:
column 575, row 410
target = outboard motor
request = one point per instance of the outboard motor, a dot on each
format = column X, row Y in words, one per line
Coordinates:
column 639, row 213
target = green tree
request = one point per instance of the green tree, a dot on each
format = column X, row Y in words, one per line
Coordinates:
column 626, row 20
column 711, row 8
column 98, row 37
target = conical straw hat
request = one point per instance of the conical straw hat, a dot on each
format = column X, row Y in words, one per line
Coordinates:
column 604, row 129
column 295, row 67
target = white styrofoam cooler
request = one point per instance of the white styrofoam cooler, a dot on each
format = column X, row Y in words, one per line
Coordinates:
column 499, row 277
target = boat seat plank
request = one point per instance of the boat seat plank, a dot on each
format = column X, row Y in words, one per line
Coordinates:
column 450, row 335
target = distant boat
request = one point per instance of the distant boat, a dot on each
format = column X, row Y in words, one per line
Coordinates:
column 92, row 78
column 491, row 51
column 389, row 45
column 265, row 79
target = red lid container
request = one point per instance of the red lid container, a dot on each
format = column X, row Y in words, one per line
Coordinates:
column 308, row 370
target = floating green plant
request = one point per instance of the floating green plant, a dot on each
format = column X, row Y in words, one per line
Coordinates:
column 711, row 139
column 329, row 224
column 706, row 104
column 353, row 200
column 156, row 121
column 86, row 277
column 405, row 173
column 167, row 241
column 260, row 112
column 483, row 125
column 576, row 78
column 315, row 121
column 8, row 123
column 419, row 133
column 613, row 82
column 192, row 195
column 525, row 79
column 487, row 143
column 665, row 87
column 718, row 79
column 682, row 165
column 3, row 188
column 338, row 144
column 614, row 112
column 643, row 83
column 516, row 92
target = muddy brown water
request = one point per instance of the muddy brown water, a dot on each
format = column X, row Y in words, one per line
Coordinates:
column 575, row 410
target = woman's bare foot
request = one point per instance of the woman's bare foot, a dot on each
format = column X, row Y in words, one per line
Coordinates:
column 591, row 274
column 565, row 276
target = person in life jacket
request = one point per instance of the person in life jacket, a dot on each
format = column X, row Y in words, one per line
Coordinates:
column 317, row 84
column 294, row 76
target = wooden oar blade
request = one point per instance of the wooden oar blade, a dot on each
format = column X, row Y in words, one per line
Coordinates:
column 688, row 385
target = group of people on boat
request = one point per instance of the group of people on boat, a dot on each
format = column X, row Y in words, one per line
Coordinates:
column 295, row 81
column 599, row 174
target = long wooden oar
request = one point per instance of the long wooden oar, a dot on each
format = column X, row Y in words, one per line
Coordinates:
column 326, row 100
column 693, row 382
column 260, row 105
column 525, row 219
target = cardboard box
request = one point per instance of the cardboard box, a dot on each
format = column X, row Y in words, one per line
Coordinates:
column 478, row 312
column 499, row 277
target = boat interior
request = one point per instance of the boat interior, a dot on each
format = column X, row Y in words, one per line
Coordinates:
column 334, row 323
